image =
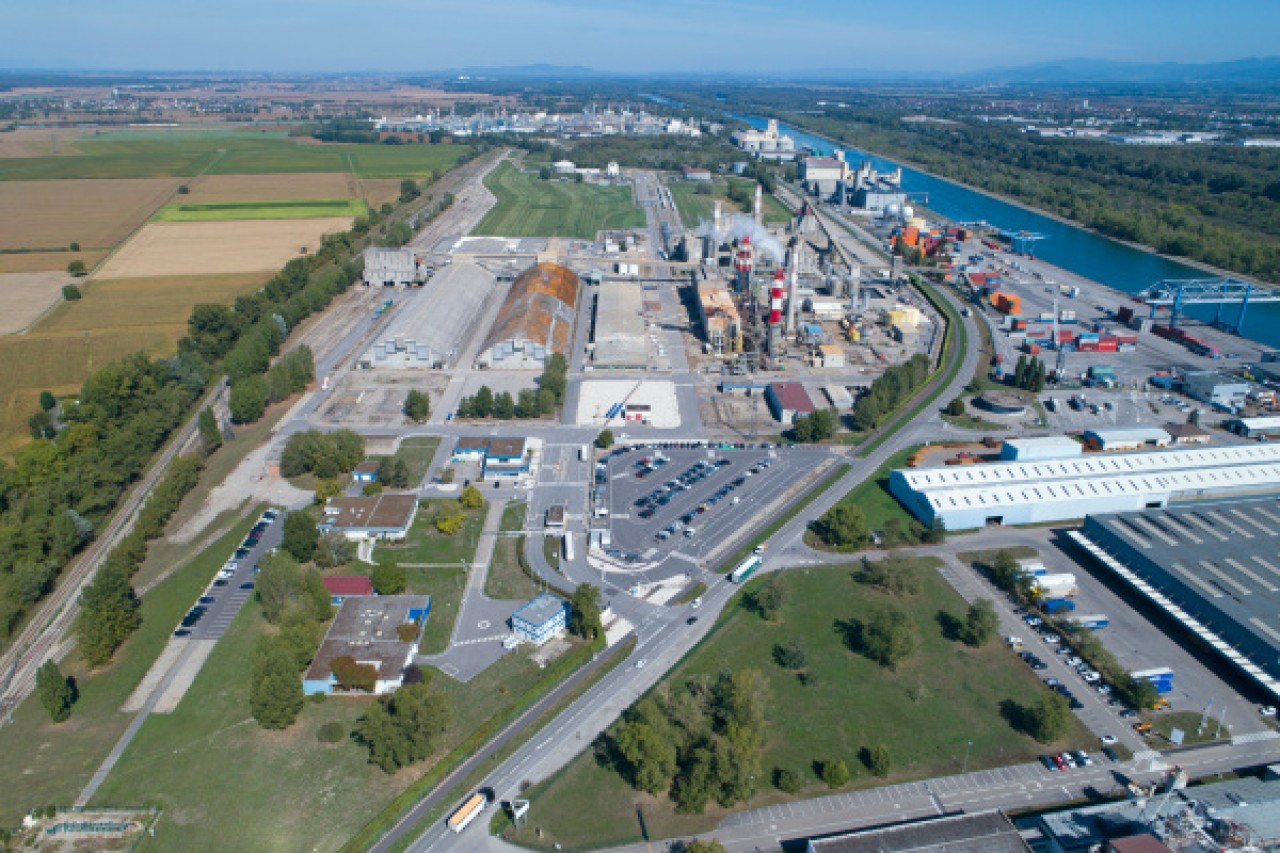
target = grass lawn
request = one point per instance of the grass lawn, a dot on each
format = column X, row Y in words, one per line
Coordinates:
column 1018, row 552
column 531, row 207
column 506, row 579
column 231, row 210
column 552, row 548
column 46, row 763
column 942, row 697
column 971, row 422
column 1164, row 722
column 417, row 451
column 695, row 207
column 872, row 496
column 180, row 154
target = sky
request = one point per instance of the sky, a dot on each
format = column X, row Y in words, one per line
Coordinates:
column 628, row 36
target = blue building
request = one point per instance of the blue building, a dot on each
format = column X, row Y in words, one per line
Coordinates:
column 369, row 630
column 366, row 472
column 545, row 617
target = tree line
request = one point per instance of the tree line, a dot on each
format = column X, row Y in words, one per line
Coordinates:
column 527, row 403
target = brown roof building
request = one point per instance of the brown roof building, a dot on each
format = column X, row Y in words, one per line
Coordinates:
column 535, row 321
column 1188, row 434
column 368, row 629
column 384, row 516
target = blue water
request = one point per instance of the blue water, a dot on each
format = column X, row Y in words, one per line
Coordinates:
column 1085, row 253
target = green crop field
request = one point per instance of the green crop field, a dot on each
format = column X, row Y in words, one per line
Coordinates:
column 247, row 153
column 938, row 700
column 695, row 207
column 230, row 210
column 531, row 207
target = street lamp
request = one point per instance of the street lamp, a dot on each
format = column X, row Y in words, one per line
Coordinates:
column 967, row 746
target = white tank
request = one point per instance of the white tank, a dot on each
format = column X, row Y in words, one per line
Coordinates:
column 908, row 211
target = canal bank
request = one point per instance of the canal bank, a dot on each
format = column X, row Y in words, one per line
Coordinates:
column 1121, row 266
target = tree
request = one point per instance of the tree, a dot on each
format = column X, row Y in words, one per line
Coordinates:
column 700, row 846
column 1049, row 718
column 835, row 773
column 109, row 613
column 544, row 173
column 76, row 267
column 396, row 474
column 788, row 781
column 70, row 292
column 471, row 498
column 881, row 761
column 956, row 407
column 482, row 402
column 301, row 535
column 504, row 408
column 649, row 753
column 389, row 579
column 41, row 425
column 275, row 690
column 769, row 598
column 449, row 520
column 404, row 727
column 351, row 675
column 896, row 574
column 48, row 401
column 791, row 655
column 334, row 550
column 527, row 404
column 278, row 584
column 584, row 616
column 981, row 622
column 887, row 636
column 605, row 439
column 843, row 526
column 417, row 406
column 210, row 433
column 57, row 692
column 248, row 399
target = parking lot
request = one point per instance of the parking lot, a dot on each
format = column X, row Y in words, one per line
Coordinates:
column 681, row 502
column 211, row 615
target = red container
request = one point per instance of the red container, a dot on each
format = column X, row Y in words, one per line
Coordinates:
column 1032, row 349
column 1087, row 346
column 1107, row 346
column 1065, row 335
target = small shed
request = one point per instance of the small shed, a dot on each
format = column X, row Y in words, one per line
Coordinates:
column 545, row 617
column 1129, row 438
column 788, row 399
column 367, row 471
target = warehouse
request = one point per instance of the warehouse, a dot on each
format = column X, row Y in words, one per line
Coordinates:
column 969, row 496
column 1216, row 389
column 1178, row 559
column 535, row 321
column 391, row 267
column 787, row 400
column 1182, row 434
column 618, row 332
column 545, row 617
column 429, row 330
column 1036, row 449
column 1128, row 438
column 822, row 176
column 1260, row 428
column 989, row 832
column 378, row 631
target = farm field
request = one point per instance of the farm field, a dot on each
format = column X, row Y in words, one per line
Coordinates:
column 531, row 207
column 45, row 261
column 195, row 248
column 27, row 295
column 120, row 154
column 140, row 302
column 938, row 699
column 380, row 191
column 230, row 211
column 39, row 142
column 215, row 188
column 96, row 214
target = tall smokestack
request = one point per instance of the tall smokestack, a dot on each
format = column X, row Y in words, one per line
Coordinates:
column 715, row 219
column 743, row 263
column 791, row 295
column 775, row 314
column 758, row 210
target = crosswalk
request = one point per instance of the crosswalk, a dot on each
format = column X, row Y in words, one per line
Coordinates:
column 477, row 640
column 1255, row 737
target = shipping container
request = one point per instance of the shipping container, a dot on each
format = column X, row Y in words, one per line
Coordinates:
column 1092, row 621
column 1054, row 606
column 1032, row 349
column 1124, row 314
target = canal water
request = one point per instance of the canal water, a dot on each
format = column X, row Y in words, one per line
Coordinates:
column 1085, row 253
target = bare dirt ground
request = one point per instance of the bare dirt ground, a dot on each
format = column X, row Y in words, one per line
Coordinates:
column 24, row 296
column 40, row 142
column 376, row 397
column 308, row 185
column 253, row 479
column 379, row 190
column 191, row 248
column 94, row 213
column 42, row 261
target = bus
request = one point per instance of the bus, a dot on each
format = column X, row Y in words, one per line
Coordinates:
column 468, row 812
column 568, row 547
column 746, row 569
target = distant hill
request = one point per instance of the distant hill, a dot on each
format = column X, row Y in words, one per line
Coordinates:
column 536, row 71
column 1253, row 71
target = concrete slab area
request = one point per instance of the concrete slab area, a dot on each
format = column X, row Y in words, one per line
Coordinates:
column 596, row 397
column 183, row 677
column 151, row 681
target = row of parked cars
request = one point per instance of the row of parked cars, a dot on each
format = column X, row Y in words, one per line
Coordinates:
column 226, row 573
column 669, row 490
column 1067, row 760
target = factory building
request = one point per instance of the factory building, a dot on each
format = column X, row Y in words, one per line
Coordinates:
column 1259, row 428
column 1212, row 567
column 868, row 189
column 618, row 333
column 1039, row 449
column 988, row 832
column 1129, row 438
column 823, row 176
column 766, row 144
column 721, row 323
column 1184, row 434
column 428, row 332
column 1216, row 389
column 392, row 267
column 964, row 497
column 535, row 321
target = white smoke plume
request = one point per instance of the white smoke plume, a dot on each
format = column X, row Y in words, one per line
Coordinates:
column 738, row 226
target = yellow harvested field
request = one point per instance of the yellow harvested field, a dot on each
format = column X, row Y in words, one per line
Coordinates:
column 217, row 188
column 380, row 190
column 40, row 261
column 40, row 142
column 24, row 296
column 142, row 302
column 95, row 213
column 211, row 248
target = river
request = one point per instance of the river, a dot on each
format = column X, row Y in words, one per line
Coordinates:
column 1115, row 264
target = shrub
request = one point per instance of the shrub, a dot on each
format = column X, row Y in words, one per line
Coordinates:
column 787, row 781
column 836, row 773
column 70, row 292
column 331, row 732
